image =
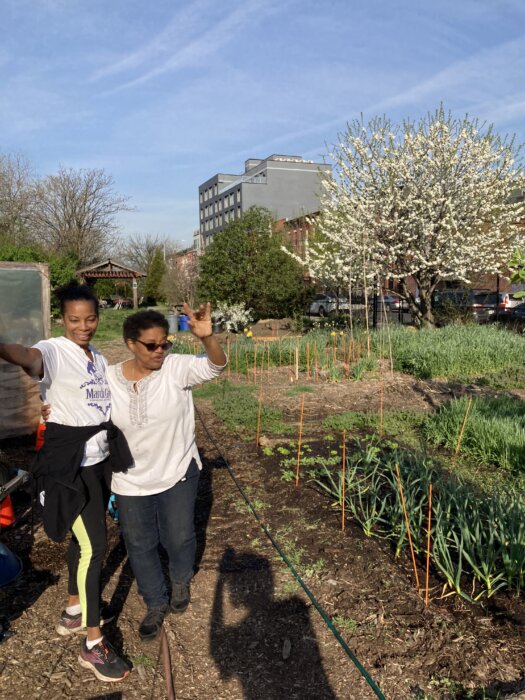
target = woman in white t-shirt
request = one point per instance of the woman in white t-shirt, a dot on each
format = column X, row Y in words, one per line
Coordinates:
column 152, row 405
column 73, row 380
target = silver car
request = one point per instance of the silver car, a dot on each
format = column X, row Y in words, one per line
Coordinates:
column 325, row 304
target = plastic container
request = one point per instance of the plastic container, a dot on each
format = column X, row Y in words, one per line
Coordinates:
column 184, row 323
column 10, row 565
column 173, row 321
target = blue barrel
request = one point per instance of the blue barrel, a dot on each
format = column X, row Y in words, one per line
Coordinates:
column 10, row 565
column 184, row 323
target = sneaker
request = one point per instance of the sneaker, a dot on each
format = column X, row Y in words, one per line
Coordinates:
column 180, row 596
column 103, row 661
column 72, row 624
column 151, row 625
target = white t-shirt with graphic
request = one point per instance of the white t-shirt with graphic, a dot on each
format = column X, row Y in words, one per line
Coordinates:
column 77, row 390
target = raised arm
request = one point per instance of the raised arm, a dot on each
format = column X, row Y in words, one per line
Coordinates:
column 29, row 359
column 200, row 326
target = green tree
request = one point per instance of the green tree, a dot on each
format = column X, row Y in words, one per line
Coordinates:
column 62, row 268
column 246, row 263
column 155, row 273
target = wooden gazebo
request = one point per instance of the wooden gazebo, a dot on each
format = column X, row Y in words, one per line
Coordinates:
column 113, row 271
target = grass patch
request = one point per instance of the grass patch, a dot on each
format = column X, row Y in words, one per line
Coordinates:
column 504, row 380
column 405, row 426
column 237, row 406
column 454, row 351
column 300, row 389
column 494, row 433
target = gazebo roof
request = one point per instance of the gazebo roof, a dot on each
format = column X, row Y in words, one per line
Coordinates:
column 109, row 270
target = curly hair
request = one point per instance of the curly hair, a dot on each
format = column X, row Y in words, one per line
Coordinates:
column 143, row 321
column 75, row 292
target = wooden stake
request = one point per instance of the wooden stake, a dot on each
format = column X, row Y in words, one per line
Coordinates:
column 236, row 356
column 297, row 363
column 299, row 442
column 228, row 355
column 460, row 437
column 259, row 415
column 307, row 361
column 428, row 540
column 408, row 528
column 343, row 482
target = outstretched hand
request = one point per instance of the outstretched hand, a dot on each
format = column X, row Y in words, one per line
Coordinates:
column 199, row 320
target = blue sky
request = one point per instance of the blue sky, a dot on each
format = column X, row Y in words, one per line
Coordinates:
column 163, row 95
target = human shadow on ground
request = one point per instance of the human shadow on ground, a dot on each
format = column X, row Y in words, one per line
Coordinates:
column 272, row 649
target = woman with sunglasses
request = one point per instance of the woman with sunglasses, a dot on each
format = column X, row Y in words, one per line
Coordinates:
column 153, row 406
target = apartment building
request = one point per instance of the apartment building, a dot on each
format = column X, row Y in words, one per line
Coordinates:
column 288, row 186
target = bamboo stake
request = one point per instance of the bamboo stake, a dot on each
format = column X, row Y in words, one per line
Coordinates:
column 259, row 416
column 460, row 437
column 299, row 442
column 228, row 355
column 428, row 540
column 343, row 482
column 307, row 361
column 297, row 363
column 408, row 528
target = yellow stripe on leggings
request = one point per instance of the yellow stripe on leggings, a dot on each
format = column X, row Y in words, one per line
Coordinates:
column 86, row 552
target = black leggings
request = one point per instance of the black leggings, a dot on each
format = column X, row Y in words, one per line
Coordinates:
column 87, row 547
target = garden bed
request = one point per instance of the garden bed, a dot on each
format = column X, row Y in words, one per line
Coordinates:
column 452, row 648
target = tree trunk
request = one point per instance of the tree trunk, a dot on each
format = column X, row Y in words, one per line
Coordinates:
column 422, row 311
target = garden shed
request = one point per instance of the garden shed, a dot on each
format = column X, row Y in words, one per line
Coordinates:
column 24, row 318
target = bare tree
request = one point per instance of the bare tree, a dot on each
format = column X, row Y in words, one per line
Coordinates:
column 16, row 199
column 180, row 279
column 75, row 212
column 139, row 250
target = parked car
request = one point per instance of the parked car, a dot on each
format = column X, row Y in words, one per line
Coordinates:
column 518, row 312
column 494, row 305
column 325, row 304
column 394, row 302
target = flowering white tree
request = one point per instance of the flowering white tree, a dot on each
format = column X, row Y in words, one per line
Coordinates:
column 429, row 200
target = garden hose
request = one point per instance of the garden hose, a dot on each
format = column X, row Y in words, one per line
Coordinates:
column 289, row 564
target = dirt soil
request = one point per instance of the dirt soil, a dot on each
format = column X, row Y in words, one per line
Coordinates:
column 250, row 631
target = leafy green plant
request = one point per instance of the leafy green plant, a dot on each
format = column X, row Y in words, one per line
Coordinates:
column 345, row 623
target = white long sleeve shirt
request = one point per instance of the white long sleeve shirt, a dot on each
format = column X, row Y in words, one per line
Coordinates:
column 157, row 417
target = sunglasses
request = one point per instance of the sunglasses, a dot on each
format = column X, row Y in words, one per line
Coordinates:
column 151, row 347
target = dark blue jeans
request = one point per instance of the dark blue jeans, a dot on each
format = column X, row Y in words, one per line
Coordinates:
column 165, row 518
